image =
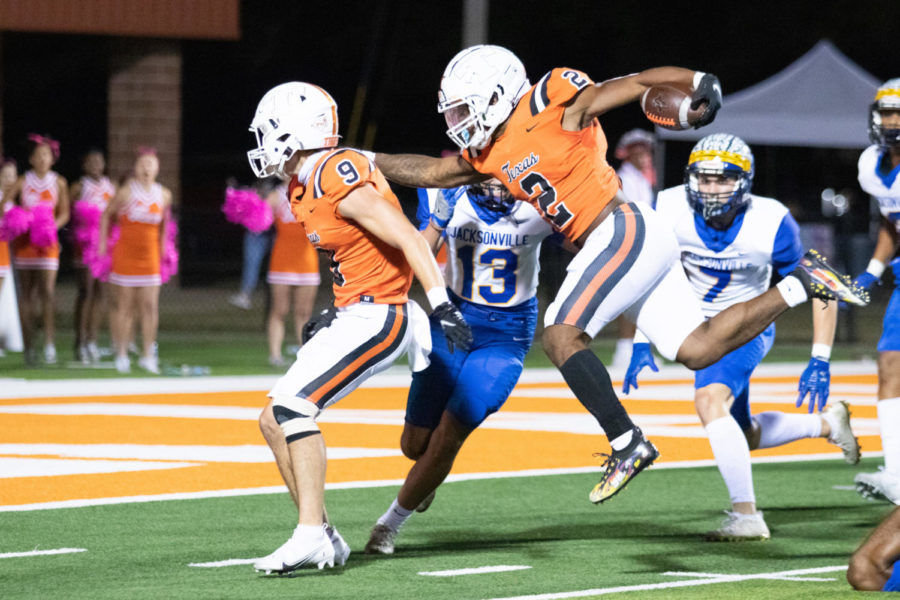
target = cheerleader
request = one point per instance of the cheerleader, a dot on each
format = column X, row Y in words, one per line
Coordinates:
column 141, row 207
column 44, row 193
column 90, row 196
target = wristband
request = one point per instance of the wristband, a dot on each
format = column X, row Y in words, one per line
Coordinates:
column 875, row 268
column 821, row 351
column 698, row 75
column 437, row 296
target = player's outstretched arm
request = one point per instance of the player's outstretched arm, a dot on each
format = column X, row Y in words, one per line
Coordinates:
column 885, row 247
column 383, row 220
column 418, row 170
column 872, row 563
column 816, row 378
column 602, row 97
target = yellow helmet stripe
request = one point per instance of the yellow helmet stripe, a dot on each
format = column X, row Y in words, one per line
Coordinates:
column 729, row 157
column 888, row 92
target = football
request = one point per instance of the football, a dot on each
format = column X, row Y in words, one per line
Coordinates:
column 670, row 107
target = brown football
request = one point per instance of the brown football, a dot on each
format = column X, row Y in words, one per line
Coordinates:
column 670, row 107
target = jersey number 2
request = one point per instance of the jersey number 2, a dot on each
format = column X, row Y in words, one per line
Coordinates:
column 553, row 208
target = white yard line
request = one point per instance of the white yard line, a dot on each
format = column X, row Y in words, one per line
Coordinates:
column 715, row 578
column 41, row 552
column 475, row 570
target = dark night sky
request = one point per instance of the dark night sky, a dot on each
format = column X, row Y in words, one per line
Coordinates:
column 56, row 84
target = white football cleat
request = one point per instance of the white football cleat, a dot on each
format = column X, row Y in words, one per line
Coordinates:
column 381, row 540
column 341, row 548
column 739, row 527
column 881, row 485
column 298, row 552
column 838, row 417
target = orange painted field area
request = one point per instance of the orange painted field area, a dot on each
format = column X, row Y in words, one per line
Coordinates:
column 87, row 447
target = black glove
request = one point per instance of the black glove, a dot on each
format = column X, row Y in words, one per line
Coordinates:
column 317, row 322
column 709, row 90
column 456, row 330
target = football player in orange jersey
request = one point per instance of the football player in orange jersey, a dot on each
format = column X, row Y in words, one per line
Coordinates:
column 349, row 212
column 545, row 144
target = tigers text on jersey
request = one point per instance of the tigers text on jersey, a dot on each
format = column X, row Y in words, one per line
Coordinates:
column 494, row 264
column 884, row 187
column 742, row 268
column 361, row 264
column 564, row 174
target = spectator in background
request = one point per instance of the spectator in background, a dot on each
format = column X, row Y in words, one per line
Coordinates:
column 37, row 263
column 294, row 267
column 638, row 176
column 8, row 175
column 142, row 208
column 256, row 246
column 90, row 196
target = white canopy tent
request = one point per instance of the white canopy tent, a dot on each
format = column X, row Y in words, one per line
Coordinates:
column 820, row 100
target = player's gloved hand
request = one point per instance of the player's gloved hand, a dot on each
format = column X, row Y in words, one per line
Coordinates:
column 708, row 90
column 865, row 280
column 444, row 204
column 317, row 322
column 815, row 381
column 455, row 328
column 641, row 357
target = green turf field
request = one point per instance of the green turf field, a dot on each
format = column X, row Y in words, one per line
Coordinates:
column 545, row 523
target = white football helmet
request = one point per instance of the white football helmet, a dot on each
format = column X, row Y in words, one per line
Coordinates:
column 726, row 156
column 479, row 89
column 886, row 98
column 290, row 117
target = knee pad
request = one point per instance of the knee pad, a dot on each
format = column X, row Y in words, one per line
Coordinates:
column 296, row 416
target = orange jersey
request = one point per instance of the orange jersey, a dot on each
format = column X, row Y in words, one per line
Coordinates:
column 35, row 191
column 564, row 174
column 362, row 266
column 294, row 259
column 135, row 257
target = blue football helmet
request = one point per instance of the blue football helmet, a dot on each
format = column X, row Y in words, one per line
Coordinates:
column 491, row 195
column 729, row 158
column 886, row 98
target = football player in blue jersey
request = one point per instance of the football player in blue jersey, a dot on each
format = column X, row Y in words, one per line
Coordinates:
column 731, row 241
column 493, row 243
column 879, row 167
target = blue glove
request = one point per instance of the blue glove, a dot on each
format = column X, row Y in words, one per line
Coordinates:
column 444, row 203
column 865, row 280
column 815, row 381
column 640, row 357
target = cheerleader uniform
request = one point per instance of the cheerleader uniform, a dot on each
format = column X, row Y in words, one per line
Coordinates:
column 294, row 259
column 135, row 257
column 35, row 191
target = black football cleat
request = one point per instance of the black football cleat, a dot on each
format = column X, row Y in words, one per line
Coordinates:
column 824, row 282
column 623, row 465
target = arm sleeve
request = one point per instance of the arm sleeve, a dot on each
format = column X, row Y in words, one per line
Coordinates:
column 787, row 250
column 423, row 210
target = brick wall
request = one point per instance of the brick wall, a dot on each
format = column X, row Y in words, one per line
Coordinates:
column 145, row 107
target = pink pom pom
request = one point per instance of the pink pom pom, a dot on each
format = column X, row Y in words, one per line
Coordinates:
column 101, row 265
column 43, row 226
column 246, row 208
column 85, row 221
column 168, row 266
column 16, row 222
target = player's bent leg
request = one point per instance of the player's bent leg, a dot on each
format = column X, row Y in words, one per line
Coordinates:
column 274, row 437
column 414, row 440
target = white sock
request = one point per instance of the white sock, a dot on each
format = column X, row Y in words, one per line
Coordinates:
column 621, row 442
column 732, row 454
column 778, row 428
column 395, row 516
column 308, row 532
column 792, row 291
column 889, row 422
column 622, row 354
